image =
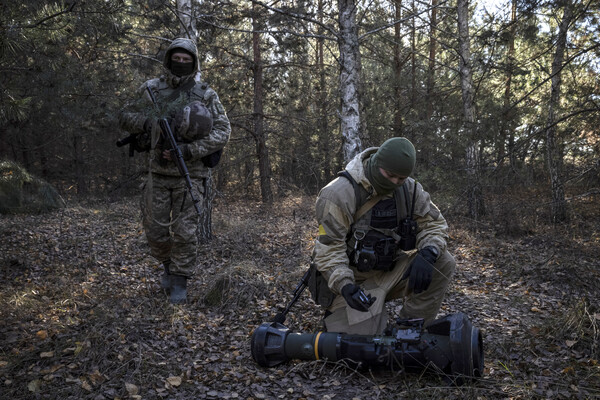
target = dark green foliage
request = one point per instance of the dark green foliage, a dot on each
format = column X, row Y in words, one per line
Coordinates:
column 21, row 192
column 67, row 69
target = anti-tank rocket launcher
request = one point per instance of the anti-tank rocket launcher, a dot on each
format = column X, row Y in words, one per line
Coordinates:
column 450, row 345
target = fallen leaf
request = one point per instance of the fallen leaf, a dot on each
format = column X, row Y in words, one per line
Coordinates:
column 43, row 334
column 174, row 380
column 568, row 370
column 570, row 343
column 96, row 377
column 131, row 389
column 46, row 354
column 52, row 369
column 34, row 386
column 85, row 385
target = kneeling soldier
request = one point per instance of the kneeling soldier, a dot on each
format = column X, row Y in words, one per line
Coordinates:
column 380, row 233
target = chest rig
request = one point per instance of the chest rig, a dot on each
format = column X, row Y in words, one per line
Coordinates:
column 198, row 90
column 377, row 233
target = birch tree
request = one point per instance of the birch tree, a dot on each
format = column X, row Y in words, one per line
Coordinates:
column 474, row 196
column 349, row 79
column 187, row 19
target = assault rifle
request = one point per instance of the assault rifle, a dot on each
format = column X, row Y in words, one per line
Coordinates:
column 176, row 154
column 127, row 140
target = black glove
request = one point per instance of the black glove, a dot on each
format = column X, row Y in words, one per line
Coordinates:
column 356, row 298
column 420, row 271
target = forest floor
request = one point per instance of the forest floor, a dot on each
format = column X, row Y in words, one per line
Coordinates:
column 82, row 315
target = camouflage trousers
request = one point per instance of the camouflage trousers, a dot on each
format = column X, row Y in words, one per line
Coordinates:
column 386, row 286
column 171, row 222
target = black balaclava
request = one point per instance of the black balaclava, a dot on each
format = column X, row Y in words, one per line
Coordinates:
column 182, row 69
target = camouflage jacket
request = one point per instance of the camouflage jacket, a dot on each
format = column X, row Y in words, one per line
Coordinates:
column 335, row 210
column 165, row 91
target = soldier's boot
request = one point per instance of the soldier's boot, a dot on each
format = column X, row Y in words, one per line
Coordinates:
column 165, row 279
column 178, row 289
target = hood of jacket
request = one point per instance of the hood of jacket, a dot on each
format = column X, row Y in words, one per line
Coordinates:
column 186, row 44
column 356, row 167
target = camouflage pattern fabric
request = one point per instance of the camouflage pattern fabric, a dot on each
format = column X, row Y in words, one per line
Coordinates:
column 171, row 230
column 133, row 120
column 193, row 122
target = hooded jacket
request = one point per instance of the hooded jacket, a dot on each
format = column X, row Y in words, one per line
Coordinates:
column 335, row 210
column 164, row 89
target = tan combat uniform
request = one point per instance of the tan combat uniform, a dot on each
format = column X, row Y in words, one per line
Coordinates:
column 335, row 209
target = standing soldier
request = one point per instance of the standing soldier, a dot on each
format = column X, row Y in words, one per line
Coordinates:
column 201, row 128
column 380, row 238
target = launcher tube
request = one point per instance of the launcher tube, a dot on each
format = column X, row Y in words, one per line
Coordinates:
column 451, row 345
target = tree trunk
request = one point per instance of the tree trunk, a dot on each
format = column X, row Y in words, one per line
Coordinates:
column 506, row 127
column 187, row 20
column 79, row 165
column 413, row 60
column 554, row 147
column 349, row 79
column 432, row 55
column 322, row 98
column 398, row 65
column 474, row 196
column 264, row 168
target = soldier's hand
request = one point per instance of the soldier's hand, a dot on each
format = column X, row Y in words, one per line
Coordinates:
column 420, row 271
column 356, row 298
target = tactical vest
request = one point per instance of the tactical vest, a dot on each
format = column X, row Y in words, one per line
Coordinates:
column 387, row 226
column 198, row 89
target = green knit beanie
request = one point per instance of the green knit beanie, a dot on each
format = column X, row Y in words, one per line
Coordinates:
column 396, row 155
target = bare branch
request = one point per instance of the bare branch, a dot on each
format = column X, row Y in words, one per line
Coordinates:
column 49, row 17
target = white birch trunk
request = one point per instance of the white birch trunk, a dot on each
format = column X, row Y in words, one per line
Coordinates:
column 349, row 79
column 187, row 20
